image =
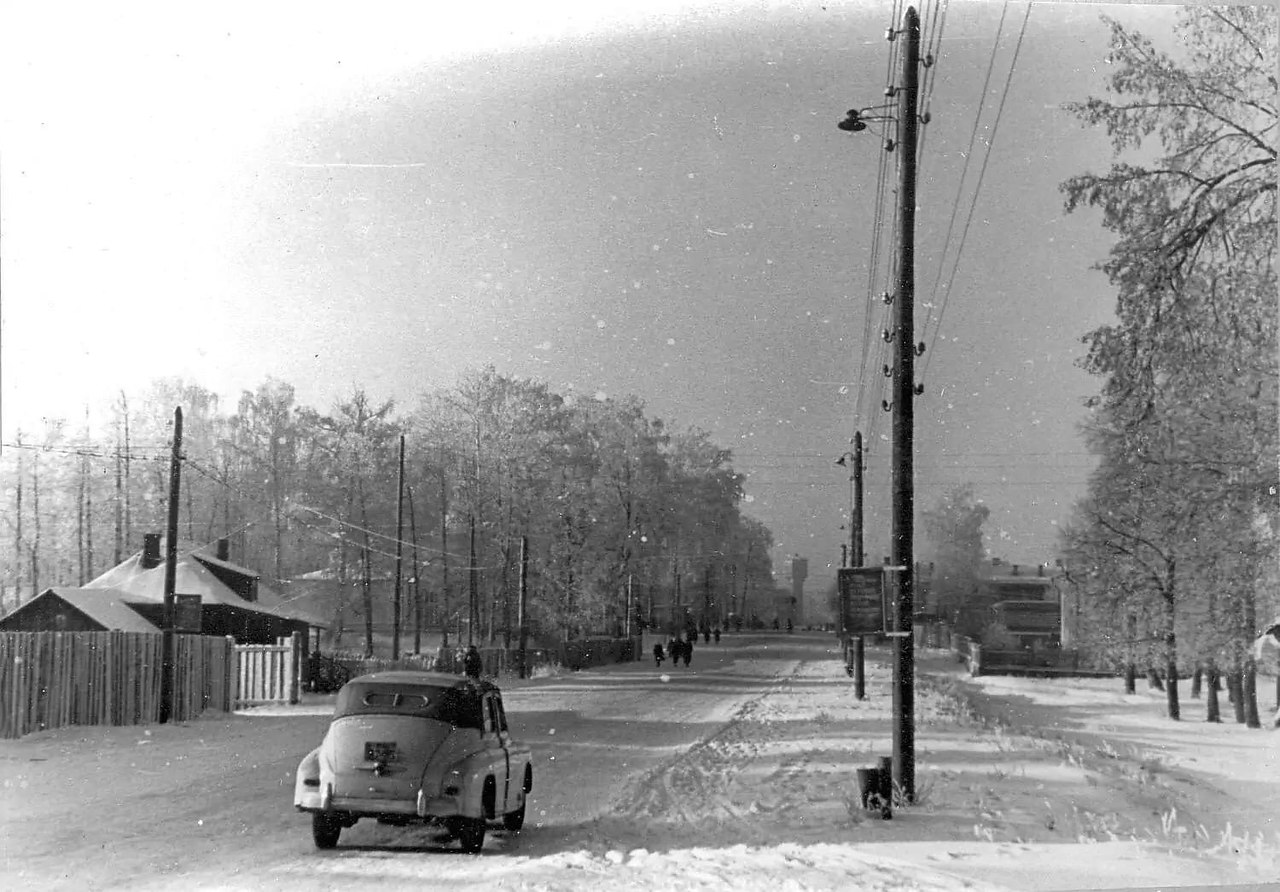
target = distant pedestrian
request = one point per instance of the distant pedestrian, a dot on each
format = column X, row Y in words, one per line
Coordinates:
column 706, row 636
column 658, row 655
column 687, row 652
column 472, row 663
column 717, row 634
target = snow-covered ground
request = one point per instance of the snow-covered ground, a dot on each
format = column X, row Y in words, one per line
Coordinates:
column 737, row 772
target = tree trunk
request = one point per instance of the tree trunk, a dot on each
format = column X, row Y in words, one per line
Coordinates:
column 1235, row 686
column 1153, row 679
column 1196, row 681
column 1130, row 666
column 1171, row 649
column 1212, row 712
column 1249, row 681
column 1249, row 673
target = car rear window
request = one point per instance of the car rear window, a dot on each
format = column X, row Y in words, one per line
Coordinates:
column 459, row 708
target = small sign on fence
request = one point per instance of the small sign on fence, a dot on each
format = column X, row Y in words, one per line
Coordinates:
column 186, row 614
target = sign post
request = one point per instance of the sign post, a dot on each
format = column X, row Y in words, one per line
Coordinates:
column 862, row 612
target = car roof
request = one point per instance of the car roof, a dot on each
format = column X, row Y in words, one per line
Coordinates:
column 430, row 679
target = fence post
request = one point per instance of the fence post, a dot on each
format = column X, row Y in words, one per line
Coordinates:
column 233, row 675
column 295, row 667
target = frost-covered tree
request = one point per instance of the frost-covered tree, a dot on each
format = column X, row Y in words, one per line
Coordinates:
column 1186, row 419
column 953, row 531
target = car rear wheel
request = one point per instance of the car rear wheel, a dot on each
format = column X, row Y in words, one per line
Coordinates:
column 514, row 820
column 325, row 830
column 471, row 835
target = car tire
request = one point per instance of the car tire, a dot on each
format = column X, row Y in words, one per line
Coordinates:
column 471, row 835
column 513, row 821
column 325, row 830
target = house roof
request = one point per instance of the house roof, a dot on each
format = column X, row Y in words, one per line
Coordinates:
column 107, row 607
column 192, row 576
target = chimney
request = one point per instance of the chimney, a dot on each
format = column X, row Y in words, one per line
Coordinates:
column 1040, row 570
column 224, row 549
column 1015, row 570
column 150, row 550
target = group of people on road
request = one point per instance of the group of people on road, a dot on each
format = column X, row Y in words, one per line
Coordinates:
column 680, row 648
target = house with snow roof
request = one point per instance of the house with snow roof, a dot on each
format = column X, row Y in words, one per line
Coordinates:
column 130, row 597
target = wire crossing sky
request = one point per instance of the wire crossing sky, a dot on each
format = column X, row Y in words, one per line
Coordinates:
column 646, row 198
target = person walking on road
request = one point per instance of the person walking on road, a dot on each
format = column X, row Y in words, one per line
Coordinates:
column 472, row 663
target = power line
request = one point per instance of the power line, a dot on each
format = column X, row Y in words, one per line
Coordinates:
column 964, row 172
column 981, row 175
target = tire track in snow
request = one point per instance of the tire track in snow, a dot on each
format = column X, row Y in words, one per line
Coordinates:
column 691, row 787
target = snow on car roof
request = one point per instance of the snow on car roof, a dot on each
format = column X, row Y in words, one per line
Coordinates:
column 433, row 679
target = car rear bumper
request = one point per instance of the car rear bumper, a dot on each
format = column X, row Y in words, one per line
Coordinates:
column 423, row 807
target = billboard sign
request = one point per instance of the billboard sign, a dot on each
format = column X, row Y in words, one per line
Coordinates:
column 862, row 600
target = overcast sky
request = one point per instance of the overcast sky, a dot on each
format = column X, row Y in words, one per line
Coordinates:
column 650, row 199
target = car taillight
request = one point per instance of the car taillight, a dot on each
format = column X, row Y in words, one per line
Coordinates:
column 311, row 781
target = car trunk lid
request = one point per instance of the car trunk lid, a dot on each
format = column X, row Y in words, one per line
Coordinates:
column 383, row 757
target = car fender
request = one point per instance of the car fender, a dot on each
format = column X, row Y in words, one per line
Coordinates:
column 474, row 770
column 308, row 768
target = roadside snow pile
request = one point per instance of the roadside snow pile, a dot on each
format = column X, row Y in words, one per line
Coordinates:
column 1027, row 783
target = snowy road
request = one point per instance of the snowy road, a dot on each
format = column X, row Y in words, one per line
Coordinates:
column 734, row 773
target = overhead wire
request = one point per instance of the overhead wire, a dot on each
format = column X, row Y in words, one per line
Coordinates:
column 964, row 172
column 862, row 415
column 1013, row 64
column 872, row 399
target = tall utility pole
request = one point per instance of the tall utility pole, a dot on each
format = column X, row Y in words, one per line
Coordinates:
column 855, row 552
column 395, row 618
column 417, row 591
column 904, row 770
column 170, row 572
column 856, row 558
column 473, row 608
column 520, row 617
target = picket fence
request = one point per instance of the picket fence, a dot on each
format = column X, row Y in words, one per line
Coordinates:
column 54, row 679
column 268, row 673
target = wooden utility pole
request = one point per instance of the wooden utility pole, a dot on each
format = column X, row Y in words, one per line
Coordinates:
column 473, row 611
column 856, row 558
column 903, row 416
column 444, row 554
column 856, row 544
column 628, row 623
column 417, row 593
column 523, row 604
column 170, row 572
column 395, row 617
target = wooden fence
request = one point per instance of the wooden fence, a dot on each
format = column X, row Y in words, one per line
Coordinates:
column 54, row 679
column 269, row 673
